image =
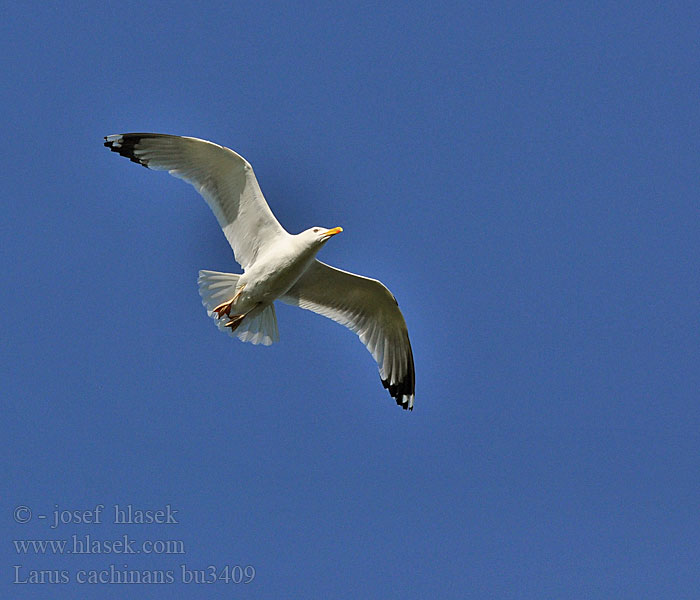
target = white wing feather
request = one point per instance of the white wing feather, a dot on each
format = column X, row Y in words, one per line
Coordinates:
column 225, row 180
column 368, row 308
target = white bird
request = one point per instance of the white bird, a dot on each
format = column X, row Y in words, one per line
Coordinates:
column 276, row 264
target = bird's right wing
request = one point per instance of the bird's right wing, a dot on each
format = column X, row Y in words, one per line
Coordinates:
column 368, row 308
column 225, row 180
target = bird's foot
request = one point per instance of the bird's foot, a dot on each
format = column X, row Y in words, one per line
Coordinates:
column 235, row 321
column 225, row 307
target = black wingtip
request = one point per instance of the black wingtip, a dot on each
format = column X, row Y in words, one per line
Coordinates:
column 404, row 391
column 125, row 145
column 399, row 391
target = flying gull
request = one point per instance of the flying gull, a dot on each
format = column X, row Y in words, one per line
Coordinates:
column 276, row 264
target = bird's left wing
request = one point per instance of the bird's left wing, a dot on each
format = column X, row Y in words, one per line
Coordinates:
column 225, row 179
column 368, row 308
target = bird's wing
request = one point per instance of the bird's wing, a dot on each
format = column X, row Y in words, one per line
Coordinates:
column 368, row 308
column 225, row 180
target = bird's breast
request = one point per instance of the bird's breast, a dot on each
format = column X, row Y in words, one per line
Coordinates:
column 273, row 274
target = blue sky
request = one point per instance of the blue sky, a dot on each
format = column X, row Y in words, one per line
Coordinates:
column 524, row 179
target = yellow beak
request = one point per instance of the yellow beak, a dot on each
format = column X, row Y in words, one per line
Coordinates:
column 333, row 231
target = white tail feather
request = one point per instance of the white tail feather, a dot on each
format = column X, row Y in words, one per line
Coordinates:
column 216, row 288
column 257, row 328
column 260, row 328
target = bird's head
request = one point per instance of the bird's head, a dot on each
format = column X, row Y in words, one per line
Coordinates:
column 320, row 235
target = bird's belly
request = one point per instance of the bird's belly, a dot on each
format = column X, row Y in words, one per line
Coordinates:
column 264, row 285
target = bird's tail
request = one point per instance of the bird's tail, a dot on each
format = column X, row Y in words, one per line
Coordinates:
column 259, row 327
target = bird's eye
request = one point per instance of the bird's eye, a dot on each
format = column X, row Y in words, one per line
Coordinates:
column 315, row 229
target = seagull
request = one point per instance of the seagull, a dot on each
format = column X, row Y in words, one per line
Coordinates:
column 276, row 265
